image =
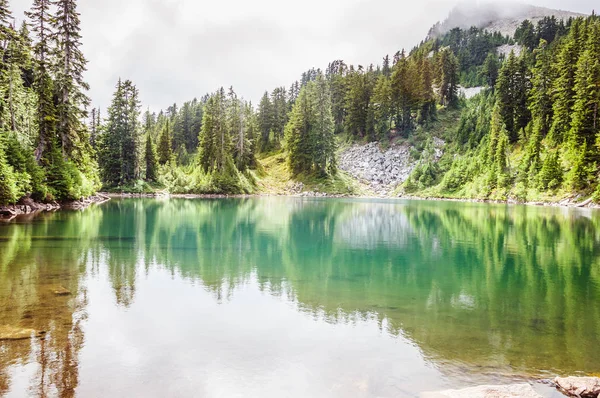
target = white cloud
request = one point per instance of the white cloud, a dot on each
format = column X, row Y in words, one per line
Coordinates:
column 175, row 50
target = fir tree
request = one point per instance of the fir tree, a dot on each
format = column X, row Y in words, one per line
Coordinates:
column 151, row 160
column 448, row 72
column 165, row 150
column 540, row 98
column 265, row 121
column 564, row 85
column 70, row 86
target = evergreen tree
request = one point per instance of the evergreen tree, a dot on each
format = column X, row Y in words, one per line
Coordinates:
column 541, row 94
column 265, row 122
column 41, row 18
column 165, row 150
column 448, row 72
column 70, row 86
column 151, row 160
column 215, row 137
column 309, row 134
column 490, row 69
column 564, row 85
column 381, row 102
column 323, row 136
column 358, row 97
column 585, row 118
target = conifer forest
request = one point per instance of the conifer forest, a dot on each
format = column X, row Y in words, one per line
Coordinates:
column 532, row 131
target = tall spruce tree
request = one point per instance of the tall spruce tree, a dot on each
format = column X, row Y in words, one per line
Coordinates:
column 564, row 85
column 151, row 160
column 70, row 86
column 41, row 19
column 540, row 97
column 165, row 149
column 309, row 134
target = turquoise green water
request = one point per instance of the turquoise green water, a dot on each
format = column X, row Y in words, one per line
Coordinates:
column 296, row 297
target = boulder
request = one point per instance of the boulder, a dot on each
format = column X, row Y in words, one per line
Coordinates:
column 61, row 291
column 579, row 386
column 512, row 390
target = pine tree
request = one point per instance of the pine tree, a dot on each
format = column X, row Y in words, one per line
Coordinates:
column 323, row 134
column 70, row 86
column 381, row 102
column 165, row 150
column 564, row 85
column 425, row 94
column 513, row 91
column 8, row 183
column 585, row 118
column 151, row 160
column 490, row 69
column 541, row 94
column 44, row 86
column 280, row 110
column 6, row 31
column 358, row 97
column 110, row 143
column 216, row 145
column 448, row 72
column 309, row 134
column 130, row 136
column 265, row 122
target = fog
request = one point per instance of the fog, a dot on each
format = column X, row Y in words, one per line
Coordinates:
column 175, row 50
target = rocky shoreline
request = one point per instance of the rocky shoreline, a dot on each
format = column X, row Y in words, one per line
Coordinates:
column 574, row 202
column 582, row 387
column 28, row 206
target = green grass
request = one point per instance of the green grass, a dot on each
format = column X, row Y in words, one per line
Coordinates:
column 275, row 178
column 138, row 187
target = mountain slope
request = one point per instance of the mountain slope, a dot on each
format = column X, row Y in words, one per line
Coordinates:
column 500, row 17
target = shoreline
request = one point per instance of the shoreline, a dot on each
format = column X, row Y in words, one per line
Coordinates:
column 29, row 207
column 570, row 203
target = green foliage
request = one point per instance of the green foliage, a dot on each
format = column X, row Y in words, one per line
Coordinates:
column 119, row 146
column 309, row 133
column 165, row 149
column 513, row 91
column 448, row 75
column 9, row 192
column 551, row 174
column 151, row 160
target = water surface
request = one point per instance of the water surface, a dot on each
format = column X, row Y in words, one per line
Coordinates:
column 272, row 297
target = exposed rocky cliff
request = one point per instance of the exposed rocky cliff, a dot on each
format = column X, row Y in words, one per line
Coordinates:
column 381, row 170
column 503, row 17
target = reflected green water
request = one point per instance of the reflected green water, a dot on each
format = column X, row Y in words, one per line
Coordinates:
column 297, row 297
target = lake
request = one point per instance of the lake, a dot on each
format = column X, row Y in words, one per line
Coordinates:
column 297, row 297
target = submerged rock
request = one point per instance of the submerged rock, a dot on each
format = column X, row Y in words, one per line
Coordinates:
column 579, row 386
column 61, row 291
column 11, row 333
column 513, row 390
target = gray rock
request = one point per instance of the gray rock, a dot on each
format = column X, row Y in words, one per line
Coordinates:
column 579, row 386
column 513, row 390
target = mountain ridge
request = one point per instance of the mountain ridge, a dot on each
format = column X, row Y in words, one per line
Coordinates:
column 503, row 18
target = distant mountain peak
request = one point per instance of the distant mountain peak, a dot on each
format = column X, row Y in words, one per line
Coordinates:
column 503, row 17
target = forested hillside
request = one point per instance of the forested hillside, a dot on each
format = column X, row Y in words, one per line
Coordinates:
column 534, row 134
column 44, row 144
column 531, row 133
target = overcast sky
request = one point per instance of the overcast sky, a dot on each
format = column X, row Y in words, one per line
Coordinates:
column 175, row 50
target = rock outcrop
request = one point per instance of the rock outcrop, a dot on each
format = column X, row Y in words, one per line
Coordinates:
column 28, row 206
column 380, row 170
column 583, row 387
column 508, row 391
